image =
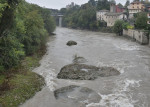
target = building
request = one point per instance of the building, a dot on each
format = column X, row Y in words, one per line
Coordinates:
column 148, row 14
column 113, row 7
column 100, row 15
column 147, row 1
column 135, row 7
column 110, row 17
column 119, row 9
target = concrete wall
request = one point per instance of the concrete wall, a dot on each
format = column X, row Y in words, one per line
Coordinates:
column 139, row 36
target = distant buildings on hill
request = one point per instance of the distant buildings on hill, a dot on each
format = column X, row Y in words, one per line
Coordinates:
column 135, row 7
column 119, row 13
column 115, row 13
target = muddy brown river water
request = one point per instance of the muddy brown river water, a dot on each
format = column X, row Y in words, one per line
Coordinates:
column 129, row 89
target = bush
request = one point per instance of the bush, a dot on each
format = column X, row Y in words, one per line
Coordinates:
column 130, row 27
column 11, row 52
column 141, row 21
column 118, row 27
column 125, row 25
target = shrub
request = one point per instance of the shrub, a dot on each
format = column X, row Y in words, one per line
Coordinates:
column 130, row 27
column 11, row 52
column 118, row 27
column 141, row 21
column 125, row 25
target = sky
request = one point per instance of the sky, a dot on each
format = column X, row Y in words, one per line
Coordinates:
column 58, row 4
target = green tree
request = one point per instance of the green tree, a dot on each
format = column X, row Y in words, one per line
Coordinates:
column 92, row 2
column 103, row 4
column 23, row 30
column 7, row 15
column 127, row 3
column 49, row 22
column 141, row 21
column 35, row 32
column 118, row 27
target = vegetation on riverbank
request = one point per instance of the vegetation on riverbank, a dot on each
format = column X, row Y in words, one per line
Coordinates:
column 19, row 84
column 140, row 23
column 24, row 29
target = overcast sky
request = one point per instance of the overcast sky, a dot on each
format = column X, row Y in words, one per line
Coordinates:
column 57, row 4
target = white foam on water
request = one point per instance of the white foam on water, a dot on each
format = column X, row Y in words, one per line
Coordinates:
column 101, row 64
column 85, row 70
column 72, row 97
column 50, row 81
column 85, row 102
column 119, row 98
column 48, row 73
column 119, row 65
column 126, row 47
column 75, row 82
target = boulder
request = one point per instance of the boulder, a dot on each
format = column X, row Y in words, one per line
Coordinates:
column 70, row 43
column 78, row 72
column 79, row 60
column 77, row 95
column 85, row 72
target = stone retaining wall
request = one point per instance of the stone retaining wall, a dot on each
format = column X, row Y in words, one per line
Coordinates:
column 138, row 35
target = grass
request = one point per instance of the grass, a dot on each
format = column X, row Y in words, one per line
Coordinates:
column 19, row 84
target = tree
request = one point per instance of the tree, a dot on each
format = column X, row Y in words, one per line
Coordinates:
column 49, row 22
column 103, row 4
column 92, row 2
column 118, row 27
column 120, row 5
column 23, row 31
column 127, row 3
column 7, row 15
column 141, row 21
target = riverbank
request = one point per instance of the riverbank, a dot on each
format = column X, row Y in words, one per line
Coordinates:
column 19, row 84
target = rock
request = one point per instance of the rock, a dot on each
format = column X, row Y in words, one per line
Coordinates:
column 108, row 71
column 78, row 72
column 70, row 43
column 85, row 72
column 79, row 60
column 77, row 95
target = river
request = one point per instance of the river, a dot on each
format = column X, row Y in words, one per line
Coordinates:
column 130, row 89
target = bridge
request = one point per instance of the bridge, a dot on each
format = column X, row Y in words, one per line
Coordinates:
column 60, row 18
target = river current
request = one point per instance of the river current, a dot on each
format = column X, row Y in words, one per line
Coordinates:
column 130, row 89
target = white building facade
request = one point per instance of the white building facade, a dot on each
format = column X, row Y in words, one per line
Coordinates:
column 100, row 15
column 135, row 7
